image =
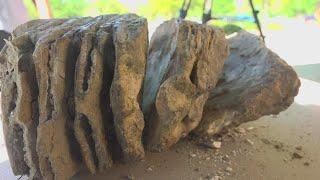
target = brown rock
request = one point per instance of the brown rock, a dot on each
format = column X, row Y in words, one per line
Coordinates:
column 184, row 62
column 255, row 82
column 61, row 76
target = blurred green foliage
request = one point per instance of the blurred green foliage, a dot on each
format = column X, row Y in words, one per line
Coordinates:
column 65, row 8
column 289, row 8
column 71, row 8
column 170, row 8
column 231, row 28
column 31, row 8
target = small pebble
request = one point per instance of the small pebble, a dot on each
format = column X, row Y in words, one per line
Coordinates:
column 193, row 155
column 306, row 164
column 234, row 152
column 149, row 168
column 216, row 144
column 266, row 141
column 299, row 148
column 240, row 130
column 226, row 158
column 129, row 177
column 297, row 155
column 229, row 169
column 250, row 128
column 249, row 141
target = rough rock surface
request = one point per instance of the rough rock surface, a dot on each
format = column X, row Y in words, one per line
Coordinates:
column 184, row 63
column 131, row 48
column 19, row 97
column 3, row 35
column 61, row 76
column 89, row 126
column 255, row 82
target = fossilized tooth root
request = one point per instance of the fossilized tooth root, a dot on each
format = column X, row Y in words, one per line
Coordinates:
column 89, row 125
column 20, row 111
column 27, row 111
column 184, row 62
column 53, row 142
column 255, row 82
column 13, row 132
column 130, row 40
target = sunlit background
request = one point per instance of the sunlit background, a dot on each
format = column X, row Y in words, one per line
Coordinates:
column 291, row 26
column 270, row 10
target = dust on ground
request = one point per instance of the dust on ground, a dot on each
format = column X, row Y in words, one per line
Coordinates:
column 281, row 147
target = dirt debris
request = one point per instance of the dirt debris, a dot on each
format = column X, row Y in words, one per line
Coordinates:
column 297, row 155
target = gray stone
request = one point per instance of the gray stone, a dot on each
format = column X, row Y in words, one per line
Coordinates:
column 255, row 82
column 3, row 35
